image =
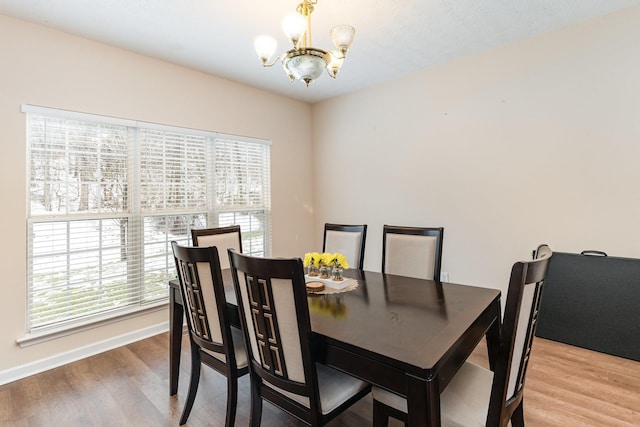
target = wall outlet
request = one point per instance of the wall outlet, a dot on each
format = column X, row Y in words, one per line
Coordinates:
column 444, row 276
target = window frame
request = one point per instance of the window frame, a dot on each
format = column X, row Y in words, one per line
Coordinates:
column 136, row 217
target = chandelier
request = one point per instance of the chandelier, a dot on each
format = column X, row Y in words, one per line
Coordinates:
column 305, row 62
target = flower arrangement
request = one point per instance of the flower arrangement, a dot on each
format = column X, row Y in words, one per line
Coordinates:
column 318, row 264
column 336, row 260
column 312, row 261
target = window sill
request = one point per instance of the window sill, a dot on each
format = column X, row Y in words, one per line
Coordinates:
column 49, row 334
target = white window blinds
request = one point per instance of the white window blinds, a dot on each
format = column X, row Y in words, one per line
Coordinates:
column 108, row 198
column 242, row 190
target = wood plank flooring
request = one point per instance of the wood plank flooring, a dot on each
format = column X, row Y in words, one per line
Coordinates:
column 128, row 386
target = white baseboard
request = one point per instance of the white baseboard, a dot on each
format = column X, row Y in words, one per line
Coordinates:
column 42, row 365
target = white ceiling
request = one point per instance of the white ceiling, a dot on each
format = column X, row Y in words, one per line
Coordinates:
column 393, row 37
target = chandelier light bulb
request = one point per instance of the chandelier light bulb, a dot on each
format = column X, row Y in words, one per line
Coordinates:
column 342, row 37
column 265, row 46
column 334, row 60
column 294, row 26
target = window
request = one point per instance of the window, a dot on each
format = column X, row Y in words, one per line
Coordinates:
column 107, row 196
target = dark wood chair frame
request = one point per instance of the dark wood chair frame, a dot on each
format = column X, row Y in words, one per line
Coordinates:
column 265, row 269
column 437, row 232
column 197, row 232
column 362, row 229
column 199, row 330
column 502, row 410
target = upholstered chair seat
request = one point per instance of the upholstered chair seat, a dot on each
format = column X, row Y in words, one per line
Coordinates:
column 334, row 386
column 238, row 348
column 464, row 403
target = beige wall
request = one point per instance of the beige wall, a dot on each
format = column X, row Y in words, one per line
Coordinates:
column 53, row 69
column 535, row 142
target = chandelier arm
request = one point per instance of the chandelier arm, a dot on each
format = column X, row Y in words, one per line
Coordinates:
column 275, row 61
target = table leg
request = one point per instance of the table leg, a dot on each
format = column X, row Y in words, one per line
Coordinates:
column 493, row 348
column 176, row 311
column 423, row 402
column 493, row 337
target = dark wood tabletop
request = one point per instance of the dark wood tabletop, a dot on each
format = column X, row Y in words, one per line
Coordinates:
column 404, row 334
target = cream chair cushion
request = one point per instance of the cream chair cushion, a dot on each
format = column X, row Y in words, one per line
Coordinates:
column 528, row 294
column 334, row 386
column 288, row 325
column 222, row 241
column 410, row 255
column 464, row 403
column 348, row 243
column 209, row 300
column 238, row 348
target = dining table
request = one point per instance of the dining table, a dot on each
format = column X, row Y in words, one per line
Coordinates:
column 404, row 334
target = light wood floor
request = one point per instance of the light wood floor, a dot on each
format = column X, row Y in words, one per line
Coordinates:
column 128, row 386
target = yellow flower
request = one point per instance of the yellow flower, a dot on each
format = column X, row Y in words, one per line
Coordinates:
column 311, row 258
column 336, row 259
column 307, row 259
column 342, row 261
column 325, row 258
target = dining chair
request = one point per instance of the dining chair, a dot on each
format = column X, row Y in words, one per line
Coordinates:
column 214, row 341
column 274, row 314
column 477, row 396
column 348, row 240
column 412, row 251
column 222, row 237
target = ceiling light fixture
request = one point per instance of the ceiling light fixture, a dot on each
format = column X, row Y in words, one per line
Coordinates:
column 305, row 62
